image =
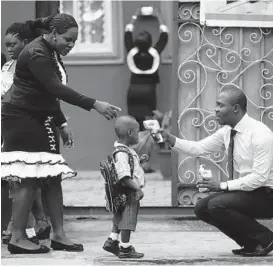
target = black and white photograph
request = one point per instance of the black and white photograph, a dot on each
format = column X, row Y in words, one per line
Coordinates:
column 137, row 132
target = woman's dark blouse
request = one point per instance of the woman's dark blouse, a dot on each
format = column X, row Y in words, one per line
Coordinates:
column 37, row 86
column 144, row 61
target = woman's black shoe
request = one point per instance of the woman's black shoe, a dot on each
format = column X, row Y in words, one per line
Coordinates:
column 42, row 235
column 72, row 248
column 17, row 250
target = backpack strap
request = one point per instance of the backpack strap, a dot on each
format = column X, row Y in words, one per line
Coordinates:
column 130, row 156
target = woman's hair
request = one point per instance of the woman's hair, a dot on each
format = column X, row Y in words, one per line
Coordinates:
column 143, row 41
column 21, row 30
column 60, row 22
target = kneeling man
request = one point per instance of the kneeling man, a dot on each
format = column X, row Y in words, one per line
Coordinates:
column 248, row 194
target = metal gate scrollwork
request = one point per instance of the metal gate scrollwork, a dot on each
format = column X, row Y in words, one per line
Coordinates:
column 210, row 58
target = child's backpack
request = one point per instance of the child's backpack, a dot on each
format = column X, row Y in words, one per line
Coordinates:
column 116, row 197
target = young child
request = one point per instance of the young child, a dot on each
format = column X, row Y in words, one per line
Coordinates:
column 127, row 129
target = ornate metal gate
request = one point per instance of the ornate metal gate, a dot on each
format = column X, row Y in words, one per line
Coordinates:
column 209, row 58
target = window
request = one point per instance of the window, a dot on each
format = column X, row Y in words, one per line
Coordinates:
column 100, row 39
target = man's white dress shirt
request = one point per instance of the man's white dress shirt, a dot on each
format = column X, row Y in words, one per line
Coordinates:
column 253, row 152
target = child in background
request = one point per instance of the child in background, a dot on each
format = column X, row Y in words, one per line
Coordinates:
column 127, row 129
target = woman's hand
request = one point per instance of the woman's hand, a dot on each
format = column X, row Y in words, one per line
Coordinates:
column 66, row 136
column 106, row 109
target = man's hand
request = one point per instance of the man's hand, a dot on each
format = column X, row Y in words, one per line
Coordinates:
column 108, row 110
column 139, row 194
column 165, row 134
column 66, row 136
column 167, row 137
column 209, row 183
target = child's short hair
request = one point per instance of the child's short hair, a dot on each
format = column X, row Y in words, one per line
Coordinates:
column 123, row 124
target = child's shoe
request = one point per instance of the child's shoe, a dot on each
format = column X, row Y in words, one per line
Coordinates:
column 130, row 253
column 111, row 246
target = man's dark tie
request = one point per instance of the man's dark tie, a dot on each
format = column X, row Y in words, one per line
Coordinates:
column 230, row 154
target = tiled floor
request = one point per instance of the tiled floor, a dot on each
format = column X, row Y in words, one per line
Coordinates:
column 87, row 189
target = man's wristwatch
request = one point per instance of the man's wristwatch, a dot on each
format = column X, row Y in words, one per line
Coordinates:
column 224, row 186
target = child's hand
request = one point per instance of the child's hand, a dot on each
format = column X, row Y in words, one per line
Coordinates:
column 139, row 194
column 144, row 158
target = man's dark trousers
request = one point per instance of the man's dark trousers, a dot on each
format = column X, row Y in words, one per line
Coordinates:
column 234, row 214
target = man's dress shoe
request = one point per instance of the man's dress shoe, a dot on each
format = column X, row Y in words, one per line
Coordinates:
column 259, row 251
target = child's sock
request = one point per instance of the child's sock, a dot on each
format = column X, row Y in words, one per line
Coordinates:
column 114, row 236
column 124, row 245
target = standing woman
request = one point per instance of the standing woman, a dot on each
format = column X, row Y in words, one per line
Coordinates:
column 16, row 37
column 31, row 152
